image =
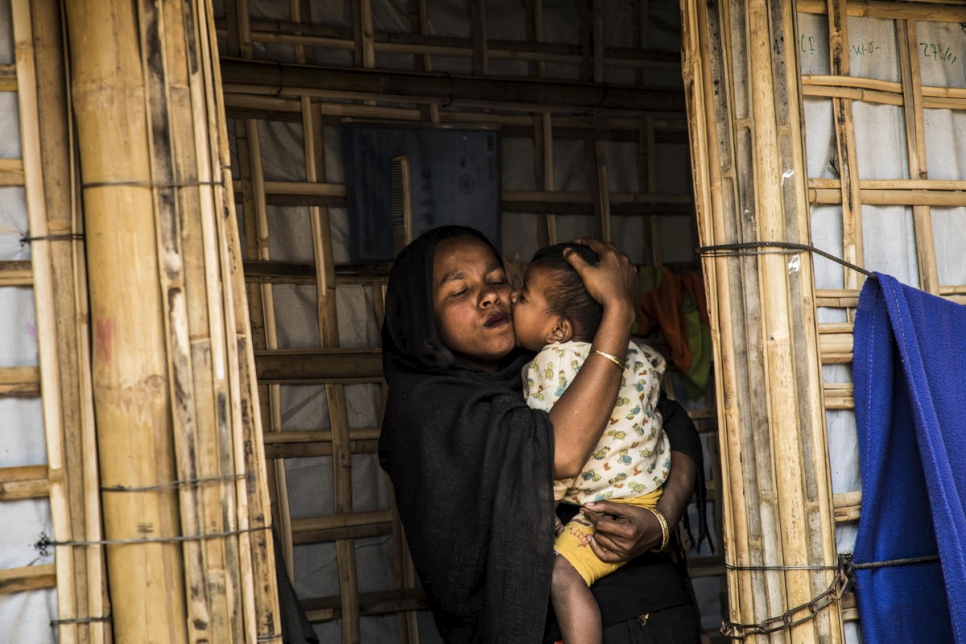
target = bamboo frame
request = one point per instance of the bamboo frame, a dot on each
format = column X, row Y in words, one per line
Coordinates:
column 177, row 392
column 907, row 44
column 778, row 502
column 887, row 10
column 49, row 377
column 310, row 108
column 425, row 45
column 251, row 77
column 334, row 393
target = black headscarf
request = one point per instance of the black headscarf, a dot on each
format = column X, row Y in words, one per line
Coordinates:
column 471, row 465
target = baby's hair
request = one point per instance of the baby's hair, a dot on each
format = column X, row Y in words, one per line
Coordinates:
column 567, row 297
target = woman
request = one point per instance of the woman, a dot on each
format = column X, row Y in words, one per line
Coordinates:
column 472, row 465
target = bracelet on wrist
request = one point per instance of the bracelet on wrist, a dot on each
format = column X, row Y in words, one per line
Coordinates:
column 665, row 530
column 610, row 356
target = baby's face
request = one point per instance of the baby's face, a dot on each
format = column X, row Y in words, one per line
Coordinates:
column 532, row 322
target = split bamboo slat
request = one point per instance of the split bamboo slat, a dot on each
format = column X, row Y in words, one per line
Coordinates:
column 745, row 126
column 426, row 45
column 850, row 195
column 908, row 49
column 38, row 79
column 932, row 11
column 328, row 322
column 181, row 461
column 261, row 296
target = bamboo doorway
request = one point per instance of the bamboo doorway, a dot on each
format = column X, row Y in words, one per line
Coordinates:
column 293, row 76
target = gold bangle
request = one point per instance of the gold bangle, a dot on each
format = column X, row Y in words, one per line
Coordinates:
column 611, row 357
column 665, row 531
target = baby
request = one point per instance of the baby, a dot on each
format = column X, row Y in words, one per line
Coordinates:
column 554, row 314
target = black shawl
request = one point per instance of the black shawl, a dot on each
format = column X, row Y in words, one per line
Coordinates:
column 472, row 469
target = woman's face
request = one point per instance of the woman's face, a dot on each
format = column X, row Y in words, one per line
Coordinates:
column 471, row 302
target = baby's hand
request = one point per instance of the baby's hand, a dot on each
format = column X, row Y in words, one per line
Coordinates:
column 558, row 526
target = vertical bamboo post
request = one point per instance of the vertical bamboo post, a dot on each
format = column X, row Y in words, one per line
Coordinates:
column 908, row 45
column 744, row 117
column 267, row 300
column 647, row 163
column 423, row 17
column 365, row 47
column 598, row 39
column 478, row 22
column 543, row 133
column 652, row 226
column 603, row 188
column 181, row 459
column 129, row 363
column 334, row 393
column 42, row 264
column 846, row 154
column 257, row 558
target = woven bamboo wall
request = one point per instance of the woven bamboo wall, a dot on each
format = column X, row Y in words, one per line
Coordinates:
column 65, row 487
column 154, row 473
column 293, row 222
column 813, row 127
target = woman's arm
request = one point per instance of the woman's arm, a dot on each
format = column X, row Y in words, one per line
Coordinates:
column 581, row 413
column 625, row 531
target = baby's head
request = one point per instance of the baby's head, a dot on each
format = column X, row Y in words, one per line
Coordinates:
column 553, row 305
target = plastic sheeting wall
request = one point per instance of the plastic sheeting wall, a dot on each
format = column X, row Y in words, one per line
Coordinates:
column 24, row 616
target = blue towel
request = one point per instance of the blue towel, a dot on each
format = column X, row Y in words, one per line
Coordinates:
column 910, row 410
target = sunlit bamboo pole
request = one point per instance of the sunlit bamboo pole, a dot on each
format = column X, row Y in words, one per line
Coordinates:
column 42, row 261
column 750, row 185
column 129, row 364
column 181, row 459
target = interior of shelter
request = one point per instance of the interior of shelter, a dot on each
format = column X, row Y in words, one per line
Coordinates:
column 642, row 123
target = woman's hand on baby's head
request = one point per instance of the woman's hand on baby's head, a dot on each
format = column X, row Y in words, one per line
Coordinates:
column 613, row 280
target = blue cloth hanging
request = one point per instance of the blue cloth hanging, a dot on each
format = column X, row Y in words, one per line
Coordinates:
column 910, row 410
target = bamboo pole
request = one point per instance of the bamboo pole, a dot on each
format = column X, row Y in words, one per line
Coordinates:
column 427, row 60
column 268, row 333
column 173, row 372
column 86, row 583
column 334, row 393
column 846, row 154
column 130, row 384
column 648, row 146
column 603, row 189
column 480, row 55
column 278, row 78
column 257, row 561
column 750, row 184
column 888, row 10
column 892, row 197
column 17, row 580
column 290, row 109
column 908, row 46
column 233, row 365
column 425, row 44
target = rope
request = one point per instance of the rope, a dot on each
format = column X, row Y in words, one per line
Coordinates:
column 27, row 239
column 44, row 543
column 172, row 485
column 80, row 620
column 734, row 250
column 151, row 184
column 841, row 584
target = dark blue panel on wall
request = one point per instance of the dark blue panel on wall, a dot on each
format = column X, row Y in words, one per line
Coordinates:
column 455, row 179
